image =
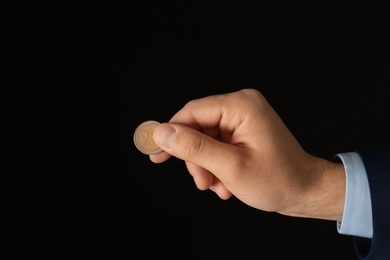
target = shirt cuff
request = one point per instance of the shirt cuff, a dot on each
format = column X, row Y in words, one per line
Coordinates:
column 357, row 216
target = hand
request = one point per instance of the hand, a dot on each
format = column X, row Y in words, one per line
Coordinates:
column 236, row 144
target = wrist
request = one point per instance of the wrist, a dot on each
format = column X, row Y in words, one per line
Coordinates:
column 322, row 194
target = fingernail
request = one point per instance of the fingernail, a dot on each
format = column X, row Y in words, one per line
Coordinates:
column 165, row 136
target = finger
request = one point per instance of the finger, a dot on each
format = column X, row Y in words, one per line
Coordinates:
column 193, row 146
column 220, row 189
column 205, row 180
column 202, row 177
column 208, row 112
column 159, row 157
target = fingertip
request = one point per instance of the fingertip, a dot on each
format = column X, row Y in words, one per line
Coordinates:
column 221, row 191
column 160, row 157
column 164, row 136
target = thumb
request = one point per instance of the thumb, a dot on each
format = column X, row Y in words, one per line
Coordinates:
column 193, row 146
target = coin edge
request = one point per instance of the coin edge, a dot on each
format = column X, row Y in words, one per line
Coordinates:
column 155, row 151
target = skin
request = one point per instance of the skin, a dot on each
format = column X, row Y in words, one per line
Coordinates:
column 235, row 144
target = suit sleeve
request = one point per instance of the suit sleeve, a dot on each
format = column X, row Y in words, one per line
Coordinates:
column 376, row 161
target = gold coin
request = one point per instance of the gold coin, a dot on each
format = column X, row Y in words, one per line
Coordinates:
column 143, row 137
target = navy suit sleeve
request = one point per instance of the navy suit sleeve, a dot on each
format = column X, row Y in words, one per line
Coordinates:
column 376, row 161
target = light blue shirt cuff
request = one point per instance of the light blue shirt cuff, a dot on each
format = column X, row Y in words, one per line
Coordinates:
column 357, row 216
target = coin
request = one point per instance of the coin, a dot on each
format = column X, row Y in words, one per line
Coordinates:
column 143, row 137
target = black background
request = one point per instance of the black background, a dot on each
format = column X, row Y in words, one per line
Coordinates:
column 79, row 79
